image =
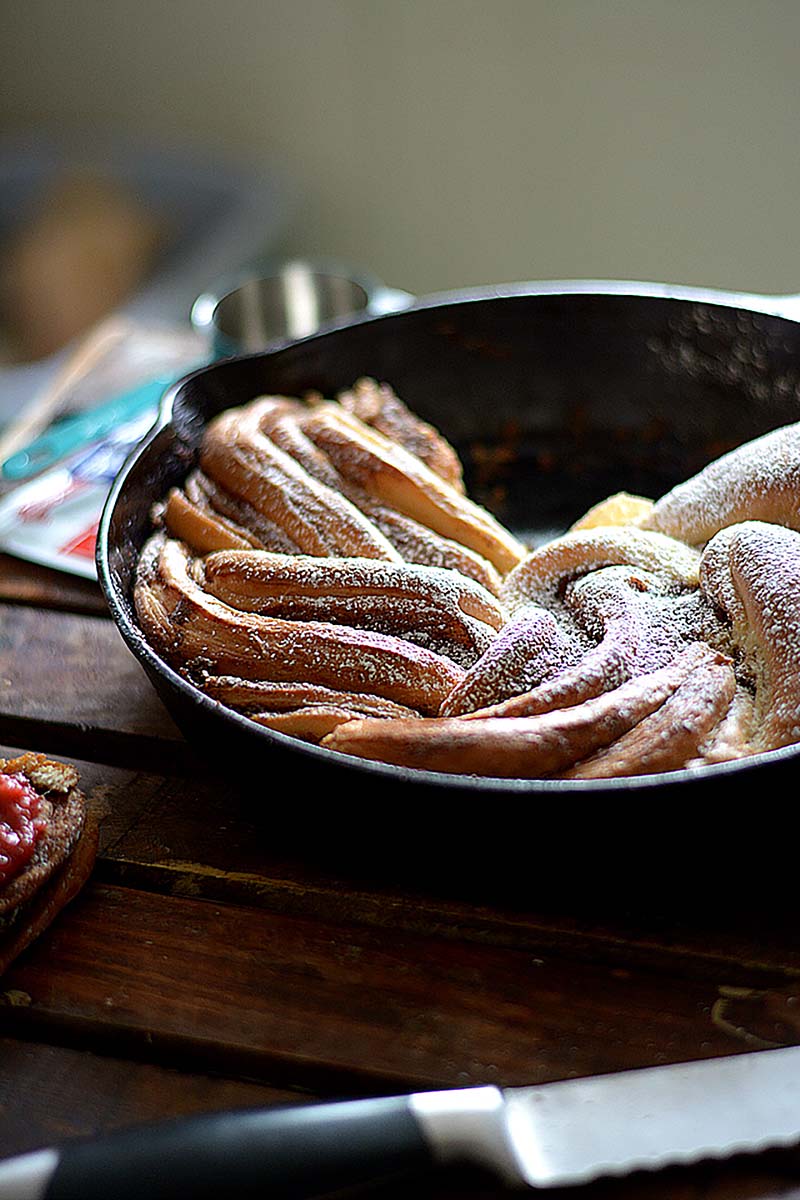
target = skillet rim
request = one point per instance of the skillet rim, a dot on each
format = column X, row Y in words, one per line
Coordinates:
column 775, row 306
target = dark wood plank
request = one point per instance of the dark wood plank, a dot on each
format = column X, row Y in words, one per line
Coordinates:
column 173, row 845
column 22, row 582
column 197, row 838
column 77, row 670
column 299, row 1002
column 51, row 1093
column 72, row 681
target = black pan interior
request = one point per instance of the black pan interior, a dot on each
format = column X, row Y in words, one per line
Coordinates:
column 553, row 400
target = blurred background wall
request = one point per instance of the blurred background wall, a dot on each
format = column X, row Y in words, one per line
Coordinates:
column 450, row 142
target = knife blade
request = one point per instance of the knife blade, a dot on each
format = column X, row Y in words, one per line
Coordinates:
column 551, row 1135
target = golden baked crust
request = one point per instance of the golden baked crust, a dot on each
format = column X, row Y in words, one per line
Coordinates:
column 378, row 405
column 327, row 576
column 192, row 628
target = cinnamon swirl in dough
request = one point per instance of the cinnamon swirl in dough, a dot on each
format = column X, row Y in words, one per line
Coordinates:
column 524, row 747
column 323, row 573
column 200, row 633
column 309, row 551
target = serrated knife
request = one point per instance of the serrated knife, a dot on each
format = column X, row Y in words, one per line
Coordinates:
column 552, row 1135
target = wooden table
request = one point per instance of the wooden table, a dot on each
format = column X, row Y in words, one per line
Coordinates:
column 205, row 966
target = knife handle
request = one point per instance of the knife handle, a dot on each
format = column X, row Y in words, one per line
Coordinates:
column 281, row 1153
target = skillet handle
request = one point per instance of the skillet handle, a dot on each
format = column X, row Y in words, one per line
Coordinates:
column 280, row 1153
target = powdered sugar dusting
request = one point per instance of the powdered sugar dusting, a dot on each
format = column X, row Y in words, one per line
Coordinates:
column 194, row 629
column 375, row 599
column 759, row 481
column 525, row 747
column 378, row 405
column 395, row 476
column 319, row 520
column 541, row 577
column 529, row 650
column 631, row 627
column 672, row 735
column 436, row 608
column 752, row 571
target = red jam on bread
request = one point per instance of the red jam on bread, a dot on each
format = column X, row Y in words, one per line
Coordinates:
column 21, row 826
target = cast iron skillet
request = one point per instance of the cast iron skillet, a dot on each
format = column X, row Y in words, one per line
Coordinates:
column 556, row 395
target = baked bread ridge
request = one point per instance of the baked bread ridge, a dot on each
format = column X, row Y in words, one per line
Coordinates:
column 565, row 627
column 62, row 859
column 200, row 634
column 310, row 476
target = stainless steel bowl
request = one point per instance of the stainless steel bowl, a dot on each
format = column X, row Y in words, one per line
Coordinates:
column 293, row 300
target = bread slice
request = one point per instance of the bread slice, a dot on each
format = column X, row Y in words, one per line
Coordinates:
column 62, row 859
